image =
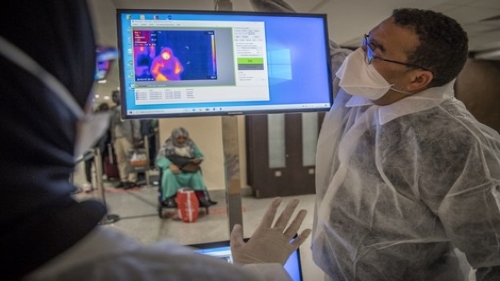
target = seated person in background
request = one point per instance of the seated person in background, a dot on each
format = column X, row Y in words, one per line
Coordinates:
column 179, row 159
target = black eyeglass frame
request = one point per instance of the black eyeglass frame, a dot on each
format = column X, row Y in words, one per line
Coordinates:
column 370, row 56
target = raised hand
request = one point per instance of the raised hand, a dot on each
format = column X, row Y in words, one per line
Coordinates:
column 270, row 243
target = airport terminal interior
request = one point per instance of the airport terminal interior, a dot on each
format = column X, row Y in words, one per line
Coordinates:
column 134, row 211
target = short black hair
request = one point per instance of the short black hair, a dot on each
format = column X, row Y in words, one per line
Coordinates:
column 443, row 47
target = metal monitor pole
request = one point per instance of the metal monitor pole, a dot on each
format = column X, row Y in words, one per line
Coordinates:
column 232, row 170
column 108, row 218
column 230, row 147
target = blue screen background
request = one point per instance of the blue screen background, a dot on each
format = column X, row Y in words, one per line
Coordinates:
column 292, row 265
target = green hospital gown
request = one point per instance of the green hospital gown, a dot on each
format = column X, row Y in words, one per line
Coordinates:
column 171, row 182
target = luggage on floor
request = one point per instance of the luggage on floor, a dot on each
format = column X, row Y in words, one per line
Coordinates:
column 187, row 205
column 111, row 168
column 110, row 165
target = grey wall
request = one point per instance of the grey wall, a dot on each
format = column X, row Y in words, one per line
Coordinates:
column 478, row 87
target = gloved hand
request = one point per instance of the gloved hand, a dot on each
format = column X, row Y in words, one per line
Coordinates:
column 270, row 244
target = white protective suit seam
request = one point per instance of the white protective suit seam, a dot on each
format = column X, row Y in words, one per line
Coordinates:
column 477, row 142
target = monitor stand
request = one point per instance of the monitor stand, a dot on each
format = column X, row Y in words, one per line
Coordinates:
column 230, row 146
column 231, row 151
column 108, row 218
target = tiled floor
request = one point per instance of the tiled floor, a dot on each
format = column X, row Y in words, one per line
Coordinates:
column 137, row 209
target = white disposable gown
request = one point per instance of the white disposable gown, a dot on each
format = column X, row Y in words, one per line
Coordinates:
column 107, row 254
column 400, row 186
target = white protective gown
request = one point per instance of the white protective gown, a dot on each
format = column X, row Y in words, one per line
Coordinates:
column 399, row 186
column 107, row 254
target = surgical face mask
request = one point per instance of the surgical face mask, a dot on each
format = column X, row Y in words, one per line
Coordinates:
column 358, row 78
column 90, row 127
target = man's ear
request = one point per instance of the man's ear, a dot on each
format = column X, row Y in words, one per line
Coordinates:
column 420, row 80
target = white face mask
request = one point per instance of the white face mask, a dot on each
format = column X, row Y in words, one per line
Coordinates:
column 358, row 78
column 90, row 127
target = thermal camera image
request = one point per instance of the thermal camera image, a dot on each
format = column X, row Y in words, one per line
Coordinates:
column 102, row 68
column 174, row 55
column 144, row 55
column 166, row 66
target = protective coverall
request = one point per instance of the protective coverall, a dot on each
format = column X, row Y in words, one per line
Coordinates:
column 400, row 186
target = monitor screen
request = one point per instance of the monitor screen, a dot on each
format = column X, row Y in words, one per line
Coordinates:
column 199, row 63
column 222, row 250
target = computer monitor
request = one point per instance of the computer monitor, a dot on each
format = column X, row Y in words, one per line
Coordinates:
column 177, row 63
column 222, row 250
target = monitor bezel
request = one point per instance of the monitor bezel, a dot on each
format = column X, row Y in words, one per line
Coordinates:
column 227, row 243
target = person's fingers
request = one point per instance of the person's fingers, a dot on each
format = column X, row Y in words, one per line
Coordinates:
column 268, row 218
column 296, row 223
column 301, row 238
column 286, row 214
column 237, row 237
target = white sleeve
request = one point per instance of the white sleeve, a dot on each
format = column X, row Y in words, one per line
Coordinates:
column 268, row 271
column 109, row 255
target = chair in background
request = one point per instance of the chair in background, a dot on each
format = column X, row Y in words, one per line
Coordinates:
column 169, row 203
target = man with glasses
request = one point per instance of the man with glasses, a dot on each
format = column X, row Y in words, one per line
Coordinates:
column 406, row 178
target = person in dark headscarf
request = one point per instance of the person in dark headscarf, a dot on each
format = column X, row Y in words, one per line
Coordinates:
column 179, row 158
column 39, row 220
column 47, row 67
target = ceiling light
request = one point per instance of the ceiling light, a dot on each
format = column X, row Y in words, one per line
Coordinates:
column 487, row 55
column 102, row 81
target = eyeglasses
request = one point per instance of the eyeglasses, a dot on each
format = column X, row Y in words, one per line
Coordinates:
column 370, row 56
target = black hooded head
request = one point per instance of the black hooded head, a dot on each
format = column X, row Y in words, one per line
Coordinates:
column 38, row 217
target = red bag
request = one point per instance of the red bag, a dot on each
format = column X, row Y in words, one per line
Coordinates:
column 111, row 168
column 187, row 205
